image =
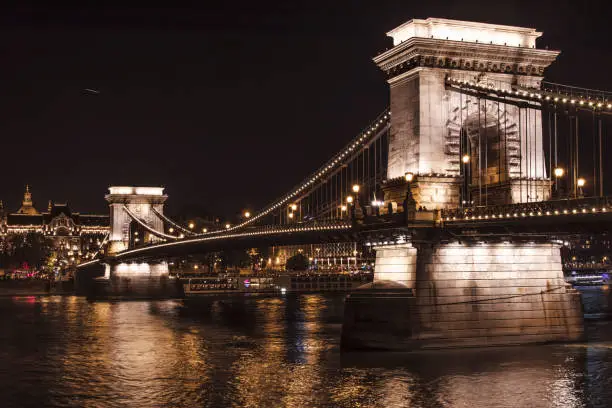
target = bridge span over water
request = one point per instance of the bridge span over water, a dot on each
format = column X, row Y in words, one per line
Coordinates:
column 463, row 187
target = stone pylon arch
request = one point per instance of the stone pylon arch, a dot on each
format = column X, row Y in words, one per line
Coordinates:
column 476, row 119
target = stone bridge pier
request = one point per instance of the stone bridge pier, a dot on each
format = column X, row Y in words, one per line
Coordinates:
column 437, row 294
column 134, row 280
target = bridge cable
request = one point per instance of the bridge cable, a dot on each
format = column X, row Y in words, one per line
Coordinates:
column 147, row 227
column 479, row 156
column 601, row 181
column 173, row 223
column 593, row 133
column 577, row 153
column 486, row 134
column 375, row 171
column 550, row 150
column 499, row 159
column 520, row 152
column 462, row 152
column 557, row 150
column 507, row 167
column 570, row 157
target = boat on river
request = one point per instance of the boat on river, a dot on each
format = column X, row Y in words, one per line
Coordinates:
column 279, row 284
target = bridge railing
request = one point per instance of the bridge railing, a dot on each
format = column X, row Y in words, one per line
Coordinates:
column 550, row 207
column 576, row 92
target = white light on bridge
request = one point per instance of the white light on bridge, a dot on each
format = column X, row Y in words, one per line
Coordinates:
column 126, row 190
column 355, row 188
column 349, row 199
column 581, row 182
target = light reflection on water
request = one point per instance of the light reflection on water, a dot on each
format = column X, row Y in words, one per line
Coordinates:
column 66, row 351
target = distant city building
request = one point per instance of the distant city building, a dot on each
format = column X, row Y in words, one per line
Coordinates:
column 69, row 237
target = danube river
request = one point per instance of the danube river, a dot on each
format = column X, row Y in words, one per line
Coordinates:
column 274, row 352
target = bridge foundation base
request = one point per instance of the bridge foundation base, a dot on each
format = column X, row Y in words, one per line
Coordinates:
column 136, row 281
column 468, row 295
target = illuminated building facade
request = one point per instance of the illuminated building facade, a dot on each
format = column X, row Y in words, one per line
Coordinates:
column 69, row 237
column 337, row 256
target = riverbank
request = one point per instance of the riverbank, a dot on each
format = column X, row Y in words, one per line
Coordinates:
column 35, row 287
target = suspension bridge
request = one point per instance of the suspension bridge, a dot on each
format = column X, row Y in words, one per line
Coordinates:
column 464, row 187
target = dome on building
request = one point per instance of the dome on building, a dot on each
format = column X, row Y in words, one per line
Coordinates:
column 26, row 205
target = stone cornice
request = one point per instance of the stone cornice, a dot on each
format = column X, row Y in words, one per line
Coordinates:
column 135, row 199
column 459, row 55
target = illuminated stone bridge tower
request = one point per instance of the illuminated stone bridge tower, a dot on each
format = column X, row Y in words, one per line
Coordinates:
column 140, row 202
column 432, row 291
column 433, row 128
column 131, row 209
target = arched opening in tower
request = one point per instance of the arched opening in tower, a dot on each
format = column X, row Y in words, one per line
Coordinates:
column 486, row 147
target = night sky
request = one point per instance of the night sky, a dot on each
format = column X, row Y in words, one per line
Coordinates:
column 226, row 106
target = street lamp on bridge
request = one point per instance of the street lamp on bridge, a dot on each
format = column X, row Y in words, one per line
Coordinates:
column 559, row 172
column 580, row 183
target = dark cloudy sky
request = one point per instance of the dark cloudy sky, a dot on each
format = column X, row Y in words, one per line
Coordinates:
column 227, row 104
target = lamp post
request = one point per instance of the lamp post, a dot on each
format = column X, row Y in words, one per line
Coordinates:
column 559, row 172
column 465, row 159
column 349, row 204
column 357, row 211
column 580, row 183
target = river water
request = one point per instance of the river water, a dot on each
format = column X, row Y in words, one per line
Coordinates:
column 274, row 352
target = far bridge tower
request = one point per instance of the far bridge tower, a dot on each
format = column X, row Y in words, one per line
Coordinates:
column 127, row 203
